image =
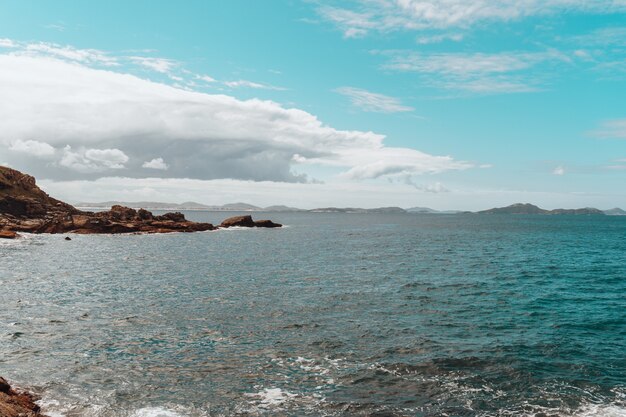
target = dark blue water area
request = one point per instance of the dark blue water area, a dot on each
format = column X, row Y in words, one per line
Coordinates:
column 335, row 314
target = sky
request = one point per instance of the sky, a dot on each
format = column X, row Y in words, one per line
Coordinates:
column 446, row 104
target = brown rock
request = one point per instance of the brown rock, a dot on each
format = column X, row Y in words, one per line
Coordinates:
column 175, row 217
column 246, row 221
column 24, row 207
column 16, row 404
column 266, row 223
column 8, row 234
column 241, row 221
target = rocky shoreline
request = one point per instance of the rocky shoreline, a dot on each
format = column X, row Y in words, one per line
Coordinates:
column 14, row 403
column 24, row 207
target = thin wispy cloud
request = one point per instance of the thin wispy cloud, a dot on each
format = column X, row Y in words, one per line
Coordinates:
column 430, row 39
column 85, row 56
column 373, row 102
column 359, row 17
column 611, row 129
column 251, row 84
column 161, row 65
column 483, row 73
column 7, row 43
column 59, row 27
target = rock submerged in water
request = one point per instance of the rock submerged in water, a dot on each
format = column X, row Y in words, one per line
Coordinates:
column 24, row 207
column 16, row 404
column 246, row 221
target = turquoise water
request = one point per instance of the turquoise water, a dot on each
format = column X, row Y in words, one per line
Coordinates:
column 336, row 314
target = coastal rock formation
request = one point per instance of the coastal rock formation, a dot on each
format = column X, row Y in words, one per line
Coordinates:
column 24, row 207
column 16, row 404
column 8, row 234
column 246, row 221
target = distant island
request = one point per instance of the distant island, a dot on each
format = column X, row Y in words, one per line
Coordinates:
column 518, row 208
column 189, row 205
column 526, row 208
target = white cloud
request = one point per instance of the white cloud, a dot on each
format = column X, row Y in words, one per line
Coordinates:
column 373, row 102
column 475, row 72
column 560, row 170
column 93, row 160
column 86, row 56
column 435, row 188
column 7, row 43
column 354, row 24
column 362, row 16
column 112, row 120
column 251, row 84
column 55, row 26
column 206, row 78
column 428, row 39
column 156, row 163
column 161, row 65
column 615, row 129
column 32, row 147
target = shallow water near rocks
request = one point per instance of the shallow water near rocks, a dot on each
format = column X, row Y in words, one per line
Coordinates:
column 336, row 314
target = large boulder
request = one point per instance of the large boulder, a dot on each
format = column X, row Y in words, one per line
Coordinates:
column 246, row 221
column 266, row 223
column 241, row 221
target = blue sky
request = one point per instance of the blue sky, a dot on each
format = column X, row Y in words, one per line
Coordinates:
column 370, row 103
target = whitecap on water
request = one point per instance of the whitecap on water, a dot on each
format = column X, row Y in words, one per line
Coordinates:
column 598, row 410
column 156, row 412
column 271, row 397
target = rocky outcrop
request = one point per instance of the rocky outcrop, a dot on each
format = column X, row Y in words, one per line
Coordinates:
column 8, row 234
column 24, row 207
column 16, row 404
column 246, row 221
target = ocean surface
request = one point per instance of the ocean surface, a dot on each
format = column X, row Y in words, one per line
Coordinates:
column 334, row 315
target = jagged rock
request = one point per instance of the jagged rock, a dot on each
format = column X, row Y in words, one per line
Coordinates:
column 16, row 404
column 266, row 223
column 246, row 221
column 241, row 221
column 8, row 234
column 175, row 217
column 24, row 207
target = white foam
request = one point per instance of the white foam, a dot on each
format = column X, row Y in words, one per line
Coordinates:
column 597, row 410
column 272, row 397
column 156, row 412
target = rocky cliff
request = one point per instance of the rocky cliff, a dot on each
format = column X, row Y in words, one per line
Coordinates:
column 16, row 404
column 24, row 207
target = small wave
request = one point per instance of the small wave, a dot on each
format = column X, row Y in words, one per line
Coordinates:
column 597, row 410
column 271, row 397
column 156, row 412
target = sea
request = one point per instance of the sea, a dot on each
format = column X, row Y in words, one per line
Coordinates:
column 335, row 314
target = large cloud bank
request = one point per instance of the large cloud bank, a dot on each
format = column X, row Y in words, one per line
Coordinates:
column 65, row 120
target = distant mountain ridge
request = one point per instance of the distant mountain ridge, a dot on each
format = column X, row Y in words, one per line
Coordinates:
column 526, row 208
column 615, row 212
column 518, row 208
column 189, row 205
